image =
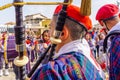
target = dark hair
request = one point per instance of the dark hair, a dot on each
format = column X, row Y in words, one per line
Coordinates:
column 76, row 31
column 45, row 31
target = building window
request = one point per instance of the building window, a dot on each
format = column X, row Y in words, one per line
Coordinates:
column 45, row 25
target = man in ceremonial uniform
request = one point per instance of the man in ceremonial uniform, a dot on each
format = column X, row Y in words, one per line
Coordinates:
column 72, row 59
column 3, row 54
column 109, row 17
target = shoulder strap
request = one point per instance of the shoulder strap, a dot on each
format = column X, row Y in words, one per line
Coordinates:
column 115, row 32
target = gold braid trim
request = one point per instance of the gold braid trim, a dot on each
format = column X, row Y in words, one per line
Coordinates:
column 5, row 50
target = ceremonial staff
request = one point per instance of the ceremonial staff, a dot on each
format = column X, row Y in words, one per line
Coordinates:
column 21, row 60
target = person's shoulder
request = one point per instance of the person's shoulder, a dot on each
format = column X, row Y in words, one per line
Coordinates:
column 115, row 43
column 116, row 39
column 49, row 71
column 60, row 61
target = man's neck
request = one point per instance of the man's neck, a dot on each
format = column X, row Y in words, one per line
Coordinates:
column 62, row 44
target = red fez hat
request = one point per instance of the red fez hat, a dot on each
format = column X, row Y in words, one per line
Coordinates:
column 73, row 12
column 107, row 12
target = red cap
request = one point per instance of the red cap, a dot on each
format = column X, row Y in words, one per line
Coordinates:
column 74, row 13
column 107, row 11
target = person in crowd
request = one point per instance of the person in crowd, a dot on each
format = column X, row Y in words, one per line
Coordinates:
column 72, row 59
column 108, row 16
column 35, row 46
column 91, row 43
column 103, row 57
column 44, row 42
column 97, row 46
column 2, row 56
column 101, row 40
column 94, row 33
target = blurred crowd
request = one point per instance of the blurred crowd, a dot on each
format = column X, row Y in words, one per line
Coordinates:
column 37, row 44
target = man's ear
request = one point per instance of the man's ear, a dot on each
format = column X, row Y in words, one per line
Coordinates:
column 65, row 33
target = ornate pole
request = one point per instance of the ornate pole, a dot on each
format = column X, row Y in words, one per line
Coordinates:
column 21, row 60
column 85, row 8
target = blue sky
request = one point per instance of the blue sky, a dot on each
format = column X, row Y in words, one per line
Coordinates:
column 8, row 14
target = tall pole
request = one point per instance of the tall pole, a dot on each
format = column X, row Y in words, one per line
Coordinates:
column 21, row 60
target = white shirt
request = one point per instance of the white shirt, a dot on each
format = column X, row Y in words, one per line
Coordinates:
column 81, row 46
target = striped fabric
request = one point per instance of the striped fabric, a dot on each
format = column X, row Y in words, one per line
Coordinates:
column 10, row 48
column 11, row 43
column 115, row 58
column 69, row 66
